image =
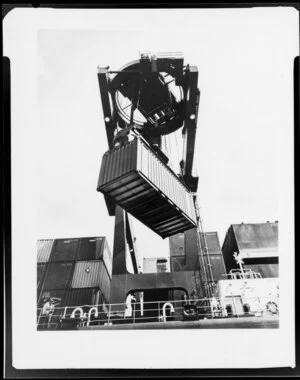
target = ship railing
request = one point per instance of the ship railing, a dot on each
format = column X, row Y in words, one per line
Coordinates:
column 154, row 311
column 237, row 274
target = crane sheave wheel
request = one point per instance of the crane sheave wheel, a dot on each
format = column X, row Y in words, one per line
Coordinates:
column 150, row 100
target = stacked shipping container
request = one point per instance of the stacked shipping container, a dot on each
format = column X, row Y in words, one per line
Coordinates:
column 74, row 272
column 257, row 245
column 184, row 251
column 214, row 257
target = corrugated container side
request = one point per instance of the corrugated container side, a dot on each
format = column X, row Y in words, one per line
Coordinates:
column 90, row 248
column 217, row 266
column 181, row 197
column 177, row 264
column 191, row 248
column 85, row 299
column 213, row 243
column 143, row 181
column 259, row 235
column 64, row 250
column 84, row 296
column 266, row 270
column 87, row 274
column 92, row 274
column 41, row 270
column 58, row 275
column 105, row 283
column 107, row 258
column 177, row 245
column 44, row 248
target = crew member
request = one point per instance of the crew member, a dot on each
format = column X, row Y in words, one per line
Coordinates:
column 47, row 312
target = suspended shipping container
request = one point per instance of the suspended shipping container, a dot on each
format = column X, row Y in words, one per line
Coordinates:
column 58, row 275
column 44, row 248
column 136, row 179
column 64, row 250
column 89, row 274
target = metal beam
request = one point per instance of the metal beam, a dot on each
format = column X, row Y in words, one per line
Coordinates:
column 190, row 125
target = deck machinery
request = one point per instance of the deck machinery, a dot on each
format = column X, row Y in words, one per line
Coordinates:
column 145, row 100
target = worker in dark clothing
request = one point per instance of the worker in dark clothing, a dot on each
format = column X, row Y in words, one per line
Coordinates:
column 121, row 137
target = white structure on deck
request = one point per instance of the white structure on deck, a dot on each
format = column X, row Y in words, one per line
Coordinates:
column 246, row 292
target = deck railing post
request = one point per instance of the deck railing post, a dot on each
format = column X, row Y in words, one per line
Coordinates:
column 109, row 311
column 39, row 317
column 233, row 303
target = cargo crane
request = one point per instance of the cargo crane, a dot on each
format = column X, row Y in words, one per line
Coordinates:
column 143, row 101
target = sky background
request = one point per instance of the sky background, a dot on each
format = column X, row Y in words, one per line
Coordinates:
column 245, row 77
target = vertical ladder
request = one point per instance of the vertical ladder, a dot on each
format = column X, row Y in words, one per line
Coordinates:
column 205, row 269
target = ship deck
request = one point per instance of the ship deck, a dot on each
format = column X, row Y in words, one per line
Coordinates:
column 269, row 322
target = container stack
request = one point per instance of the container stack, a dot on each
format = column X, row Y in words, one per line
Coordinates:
column 184, row 246
column 44, row 248
column 177, row 252
column 257, row 246
column 74, row 272
column 214, row 257
column 92, row 272
column 59, row 271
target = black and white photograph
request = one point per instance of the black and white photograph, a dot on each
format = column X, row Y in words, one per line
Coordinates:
column 152, row 186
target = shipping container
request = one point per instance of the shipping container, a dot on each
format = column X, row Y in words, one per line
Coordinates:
column 177, row 245
column 86, row 299
column 252, row 242
column 107, row 258
column 256, row 236
column 266, row 270
column 58, row 275
column 41, row 270
column 89, row 274
column 178, row 263
column 95, row 248
column 64, row 250
column 44, row 248
column 90, row 248
column 212, row 243
column 147, row 188
column 217, row 266
column 192, row 249
column 84, row 296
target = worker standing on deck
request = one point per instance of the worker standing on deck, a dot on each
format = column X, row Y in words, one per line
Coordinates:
column 130, row 305
column 47, row 312
column 215, row 306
